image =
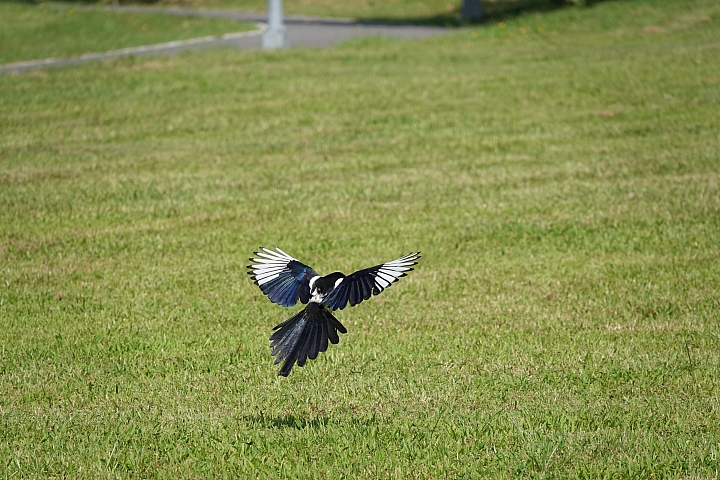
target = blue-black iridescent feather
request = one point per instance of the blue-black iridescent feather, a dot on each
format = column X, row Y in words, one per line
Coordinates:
column 304, row 336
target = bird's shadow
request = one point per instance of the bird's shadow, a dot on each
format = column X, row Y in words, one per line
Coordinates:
column 287, row 421
column 292, row 421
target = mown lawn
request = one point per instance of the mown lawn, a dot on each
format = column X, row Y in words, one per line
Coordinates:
column 31, row 32
column 398, row 9
column 443, row 12
column 560, row 174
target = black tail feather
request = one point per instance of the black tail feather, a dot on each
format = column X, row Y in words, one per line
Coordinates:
column 304, row 343
column 315, row 341
column 324, row 327
column 304, row 336
column 287, row 335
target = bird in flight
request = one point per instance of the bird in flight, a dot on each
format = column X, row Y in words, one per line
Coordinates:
column 285, row 280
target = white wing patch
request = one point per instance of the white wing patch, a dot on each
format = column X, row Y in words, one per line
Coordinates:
column 269, row 265
column 363, row 284
column 391, row 271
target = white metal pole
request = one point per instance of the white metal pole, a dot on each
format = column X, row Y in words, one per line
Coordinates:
column 275, row 35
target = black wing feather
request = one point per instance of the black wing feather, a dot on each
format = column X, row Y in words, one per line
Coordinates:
column 362, row 284
column 281, row 277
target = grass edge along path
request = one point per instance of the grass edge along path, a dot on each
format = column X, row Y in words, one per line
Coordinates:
column 166, row 48
column 30, row 33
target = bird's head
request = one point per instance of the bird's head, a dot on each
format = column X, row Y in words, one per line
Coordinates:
column 326, row 284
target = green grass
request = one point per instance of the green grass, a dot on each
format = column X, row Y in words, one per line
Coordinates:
column 402, row 9
column 563, row 185
column 346, row 8
column 29, row 32
column 418, row 11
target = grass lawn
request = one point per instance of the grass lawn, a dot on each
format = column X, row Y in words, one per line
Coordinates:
column 560, row 173
column 420, row 11
column 30, row 32
column 402, row 9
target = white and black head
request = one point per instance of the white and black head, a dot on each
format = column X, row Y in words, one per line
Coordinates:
column 326, row 284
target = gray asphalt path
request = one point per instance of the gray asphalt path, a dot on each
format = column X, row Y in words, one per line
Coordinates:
column 301, row 32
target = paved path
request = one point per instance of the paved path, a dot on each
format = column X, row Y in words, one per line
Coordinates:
column 301, row 32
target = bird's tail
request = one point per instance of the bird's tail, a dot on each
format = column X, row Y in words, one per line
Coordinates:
column 303, row 336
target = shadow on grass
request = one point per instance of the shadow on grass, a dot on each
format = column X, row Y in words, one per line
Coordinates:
column 287, row 421
column 298, row 423
column 494, row 11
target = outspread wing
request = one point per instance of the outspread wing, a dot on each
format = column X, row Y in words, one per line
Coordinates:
column 281, row 277
column 371, row 281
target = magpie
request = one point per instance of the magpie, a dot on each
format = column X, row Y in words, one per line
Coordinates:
column 285, row 280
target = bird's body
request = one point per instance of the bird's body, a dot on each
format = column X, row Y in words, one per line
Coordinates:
column 285, row 280
column 320, row 287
